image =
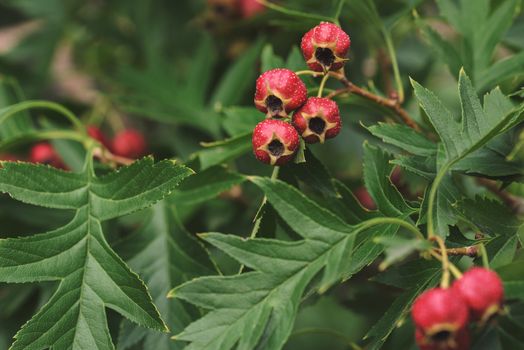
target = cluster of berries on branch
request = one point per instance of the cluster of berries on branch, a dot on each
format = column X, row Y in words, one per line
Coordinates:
column 442, row 316
column 283, row 97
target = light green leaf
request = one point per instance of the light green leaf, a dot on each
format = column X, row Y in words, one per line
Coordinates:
column 397, row 248
column 405, row 138
column 10, row 92
column 481, row 27
column 444, row 49
column 205, row 185
column 238, row 78
column 222, row 151
column 269, row 60
column 241, row 120
column 501, row 70
column 91, row 276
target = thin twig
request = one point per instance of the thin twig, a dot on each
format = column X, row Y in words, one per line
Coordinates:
column 444, row 283
column 392, row 104
column 471, row 251
column 107, row 157
column 454, row 270
column 516, row 204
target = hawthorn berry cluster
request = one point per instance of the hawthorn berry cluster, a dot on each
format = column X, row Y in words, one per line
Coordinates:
column 129, row 143
column 283, row 97
column 441, row 315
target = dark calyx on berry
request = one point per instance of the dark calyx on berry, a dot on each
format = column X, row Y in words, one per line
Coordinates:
column 274, row 105
column 325, row 56
column 276, row 148
column 317, row 125
column 442, row 336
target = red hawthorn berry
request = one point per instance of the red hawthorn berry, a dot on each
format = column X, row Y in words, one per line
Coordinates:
column 325, row 47
column 364, row 198
column 460, row 342
column 483, row 292
column 44, row 153
column 440, row 316
column 274, row 142
column 317, row 120
column 278, row 92
column 98, row 135
column 129, row 143
column 250, row 8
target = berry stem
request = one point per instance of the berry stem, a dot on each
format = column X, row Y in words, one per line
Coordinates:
column 107, row 157
column 454, row 270
column 258, row 216
column 292, row 12
column 394, row 63
column 484, row 255
column 336, row 17
column 322, row 84
column 309, row 72
column 444, row 283
column 380, row 221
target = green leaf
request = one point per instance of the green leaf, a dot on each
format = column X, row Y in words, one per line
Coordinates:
column 295, row 60
column 410, row 274
column 494, row 219
column 165, row 255
column 222, row 151
column 257, row 309
column 313, row 173
column 90, row 274
column 511, row 275
column 482, row 29
column 489, row 216
column 241, row 120
column 238, row 78
column 397, row 312
column 405, row 138
column 460, row 137
column 445, row 50
column 493, row 159
column 422, row 166
column 269, row 60
column 201, row 72
column 205, row 185
column 477, row 125
column 501, row 70
column 444, row 212
column 397, row 248
column 388, row 199
column 10, row 93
